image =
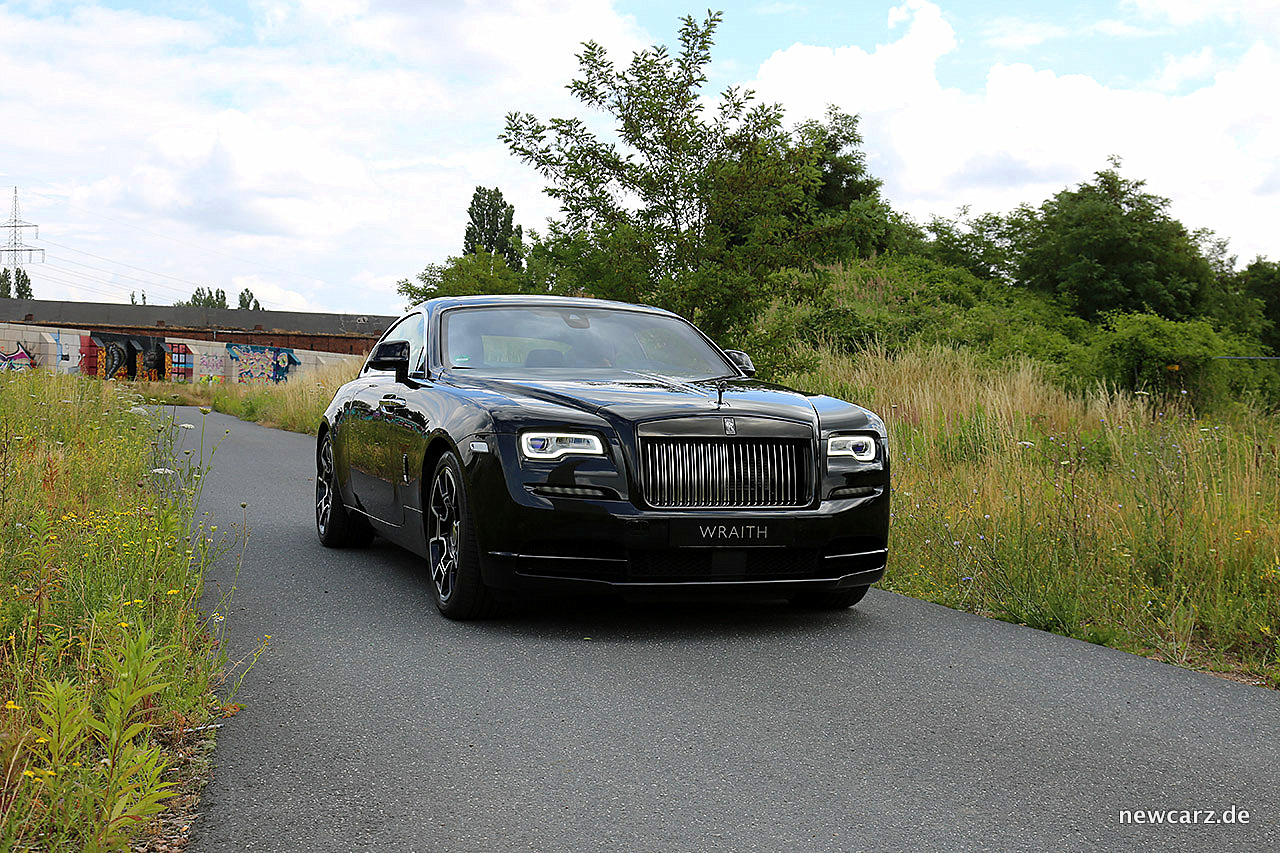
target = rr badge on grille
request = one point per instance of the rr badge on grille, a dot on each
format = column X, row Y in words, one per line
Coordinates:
column 730, row 428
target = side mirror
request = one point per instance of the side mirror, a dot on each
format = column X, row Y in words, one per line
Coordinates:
column 391, row 355
column 742, row 360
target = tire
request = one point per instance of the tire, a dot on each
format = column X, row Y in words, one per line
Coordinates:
column 829, row 599
column 337, row 526
column 453, row 552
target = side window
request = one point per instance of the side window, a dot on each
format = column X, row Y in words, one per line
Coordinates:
column 407, row 329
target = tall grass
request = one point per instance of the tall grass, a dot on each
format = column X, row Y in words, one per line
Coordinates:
column 1105, row 517
column 294, row 405
column 105, row 662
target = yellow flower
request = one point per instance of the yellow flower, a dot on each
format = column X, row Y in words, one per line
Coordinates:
column 172, row 592
column 9, row 706
column 122, row 624
column 42, row 740
column 28, row 773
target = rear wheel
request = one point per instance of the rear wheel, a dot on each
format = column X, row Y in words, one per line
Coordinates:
column 829, row 599
column 453, row 553
column 336, row 525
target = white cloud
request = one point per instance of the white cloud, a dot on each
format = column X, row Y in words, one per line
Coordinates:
column 1017, row 34
column 1030, row 131
column 330, row 147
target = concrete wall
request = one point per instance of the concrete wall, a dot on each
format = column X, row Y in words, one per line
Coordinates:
column 150, row 356
column 23, row 346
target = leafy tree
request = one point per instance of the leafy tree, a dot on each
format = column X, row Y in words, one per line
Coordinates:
column 692, row 208
column 1110, row 246
column 982, row 244
column 477, row 273
column 248, row 302
column 6, row 284
column 489, row 228
column 22, row 284
column 1261, row 281
column 206, row 298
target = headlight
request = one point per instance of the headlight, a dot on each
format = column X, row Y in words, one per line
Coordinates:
column 553, row 445
column 859, row 447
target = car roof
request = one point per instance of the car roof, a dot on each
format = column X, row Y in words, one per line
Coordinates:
column 530, row 299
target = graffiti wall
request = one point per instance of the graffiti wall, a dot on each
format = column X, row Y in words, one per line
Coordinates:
column 151, row 357
column 261, row 364
column 18, row 359
column 43, row 346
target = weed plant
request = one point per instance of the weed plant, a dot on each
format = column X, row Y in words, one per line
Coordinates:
column 105, row 661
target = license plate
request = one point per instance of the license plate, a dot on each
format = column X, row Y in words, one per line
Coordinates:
column 731, row 534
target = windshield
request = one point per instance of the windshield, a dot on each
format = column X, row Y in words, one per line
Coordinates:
column 576, row 342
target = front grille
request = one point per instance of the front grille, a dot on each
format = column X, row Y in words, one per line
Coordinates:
column 725, row 472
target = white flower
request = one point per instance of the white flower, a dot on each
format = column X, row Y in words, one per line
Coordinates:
column 163, row 471
column 186, row 426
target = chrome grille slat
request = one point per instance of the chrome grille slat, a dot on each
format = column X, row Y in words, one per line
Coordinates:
column 712, row 472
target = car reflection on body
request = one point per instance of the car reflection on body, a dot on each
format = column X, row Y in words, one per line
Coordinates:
column 534, row 441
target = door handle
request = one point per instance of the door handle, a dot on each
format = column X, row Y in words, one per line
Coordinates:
column 391, row 403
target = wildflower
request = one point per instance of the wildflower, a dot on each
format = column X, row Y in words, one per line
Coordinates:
column 122, row 624
column 42, row 740
column 172, row 592
column 218, row 617
column 10, row 706
column 186, row 426
column 28, row 773
column 162, row 471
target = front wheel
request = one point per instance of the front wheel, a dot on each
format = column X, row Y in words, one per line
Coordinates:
column 453, row 553
column 829, row 599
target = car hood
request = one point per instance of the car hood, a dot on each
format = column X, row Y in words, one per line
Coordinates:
column 643, row 397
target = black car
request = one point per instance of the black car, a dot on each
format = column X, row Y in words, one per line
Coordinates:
column 536, row 441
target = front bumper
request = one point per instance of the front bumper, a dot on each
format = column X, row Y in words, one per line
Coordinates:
column 534, row 540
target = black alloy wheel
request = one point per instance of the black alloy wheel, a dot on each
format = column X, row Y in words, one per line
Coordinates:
column 453, row 554
column 336, row 525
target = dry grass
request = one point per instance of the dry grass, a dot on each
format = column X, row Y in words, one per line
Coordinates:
column 294, row 405
column 1105, row 517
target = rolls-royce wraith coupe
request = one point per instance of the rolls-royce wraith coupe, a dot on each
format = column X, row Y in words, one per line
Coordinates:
column 536, row 441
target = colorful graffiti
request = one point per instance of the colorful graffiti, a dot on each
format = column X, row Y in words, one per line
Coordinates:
column 261, row 364
column 212, row 364
column 19, row 359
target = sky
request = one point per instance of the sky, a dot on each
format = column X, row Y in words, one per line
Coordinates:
column 318, row 151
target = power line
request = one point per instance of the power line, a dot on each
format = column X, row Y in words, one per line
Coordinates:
column 157, row 284
column 132, row 267
column 237, row 258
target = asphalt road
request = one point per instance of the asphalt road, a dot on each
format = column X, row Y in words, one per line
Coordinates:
column 371, row 723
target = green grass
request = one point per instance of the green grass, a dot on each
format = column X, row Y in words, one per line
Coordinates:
column 106, row 664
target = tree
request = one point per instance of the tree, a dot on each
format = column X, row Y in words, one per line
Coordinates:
column 248, row 302
column 477, row 273
column 1261, row 281
column 689, row 210
column 6, row 284
column 206, row 298
column 1110, row 246
column 489, row 228
column 22, row 284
